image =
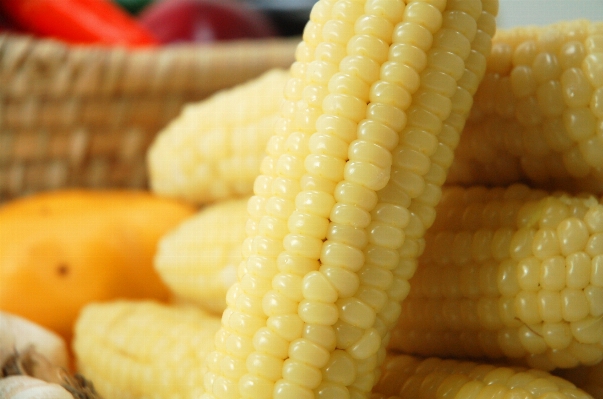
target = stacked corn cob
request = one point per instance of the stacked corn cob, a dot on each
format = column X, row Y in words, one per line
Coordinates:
column 366, row 132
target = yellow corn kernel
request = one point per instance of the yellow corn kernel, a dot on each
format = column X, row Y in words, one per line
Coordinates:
column 213, row 149
column 518, row 279
column 352, row 174
column 406, row 376
column 538, row 111
column 143, row 350
column 198, row 259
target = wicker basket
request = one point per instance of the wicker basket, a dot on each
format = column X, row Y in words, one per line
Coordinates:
column 85, row 116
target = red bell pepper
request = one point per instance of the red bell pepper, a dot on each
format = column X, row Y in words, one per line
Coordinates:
column 79, row 21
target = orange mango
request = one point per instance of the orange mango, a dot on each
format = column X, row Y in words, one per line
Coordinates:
column 60, row 250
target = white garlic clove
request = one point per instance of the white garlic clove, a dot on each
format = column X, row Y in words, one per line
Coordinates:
column 18, row 334
column 25, row 387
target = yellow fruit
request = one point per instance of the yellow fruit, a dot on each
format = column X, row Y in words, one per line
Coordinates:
column 60, row 250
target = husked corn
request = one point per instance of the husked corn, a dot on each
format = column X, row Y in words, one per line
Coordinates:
column 377, row 98
column 538, row 113
column 509, row 272
column 411, row 377
column 143, row 349
column 214, row 148
column 587, row 378
column 198, row 260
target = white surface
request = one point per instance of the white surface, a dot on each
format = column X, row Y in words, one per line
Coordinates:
column 541, row 12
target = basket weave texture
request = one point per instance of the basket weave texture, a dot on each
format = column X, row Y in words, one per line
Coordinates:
column 84, row 116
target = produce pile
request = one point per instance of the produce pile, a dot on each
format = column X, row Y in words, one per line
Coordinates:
column 412, row 210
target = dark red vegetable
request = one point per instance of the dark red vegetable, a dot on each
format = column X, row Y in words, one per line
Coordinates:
column 205, row 21
column 79, row 21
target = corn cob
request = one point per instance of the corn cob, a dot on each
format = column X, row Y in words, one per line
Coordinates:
column 378, row 96
column 198, row 260
column 214, row 148
column 144, row 350
column 410, row 377
column 509, row 272
column 587, row 378
column 538, row 113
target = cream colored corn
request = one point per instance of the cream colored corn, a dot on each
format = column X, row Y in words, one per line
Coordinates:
column 587, row 378
column 509, row 272
column 406, row 377
column 198, row 260
column 144, row 350
column 538, row 113
column 378, row 96
column 213, row 149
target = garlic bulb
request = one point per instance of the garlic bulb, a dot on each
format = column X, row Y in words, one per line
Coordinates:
column 25, row 387
column 18, row 334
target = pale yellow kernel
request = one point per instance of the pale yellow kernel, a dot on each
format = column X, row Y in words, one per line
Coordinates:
column 523, row 82
column 316, row 287
column 507, row 279
column 391, row 10
column 288, row 285
column 375, row 26
column 337, row 126
column 342, row 255
column 284, row 389
column 409, row 55
column 557, row 335
column 577, row 91
column 552, row 273
column 546, row 67
column 314, row 202
column 511, row 346
column 388, row 115
column 414, row 34
column 322, row 336
column 274, row 303
column 391, row 94
column 327, row 144
column 447, row 62
column 367, row 151
column 578, row 270
column 588, row 330
column 596, row 276
column 594, row 246
column 574, row 304
column 594, row 296
column 320, row 12
column 337, row 31
column 345, row 84
column 549, row 96
column 526, row 307
column 345, row 281
column 580, row 123
column 316, row 312
column 344, row 106
column 545, row 243
column 501, row 241
column 506, row 310
column 366, row 346
column 452, row 41
column 368, row 46
column 308, row 224
column 460, row 21
column 329, row 52
column 423, row 14
column 360, row 67
column 591, row 149
column 573, row 235
column 571, row 54
column 373, row 297
column 331, row 390
column 381, row 256
column 302, row 245
column 340, row 369
column 288, row 263
column 288, row 326
column 592, row 66
column 549, row 304
column 366, row 174
column 439, row 82
column 301, row 374
column 520, row 246
column 574, row 163
column 350, row 215
column 264, row 365
column 347, row 10
column 265, row 340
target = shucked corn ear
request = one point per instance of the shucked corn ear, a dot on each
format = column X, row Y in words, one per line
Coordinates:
column 509, row 272
column 378, row 95
column 410, row 377
column 538, row 114
column 214, row 148
column 198, row 260
column 143, row 349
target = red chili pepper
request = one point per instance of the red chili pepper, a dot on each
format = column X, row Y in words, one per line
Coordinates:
column 79, row 21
